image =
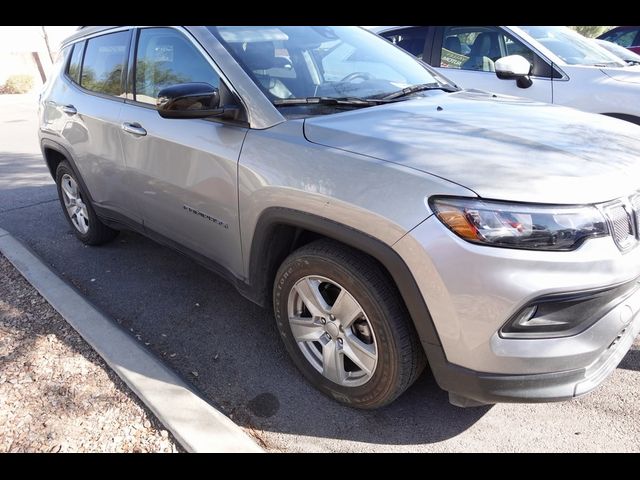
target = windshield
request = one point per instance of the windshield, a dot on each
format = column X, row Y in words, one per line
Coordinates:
column 334, row 62
column 572, row 47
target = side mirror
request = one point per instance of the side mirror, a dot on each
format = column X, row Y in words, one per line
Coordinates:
column 514, row 67
column 192, row 100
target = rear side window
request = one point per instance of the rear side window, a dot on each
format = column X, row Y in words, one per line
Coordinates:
column 104, row 64
column 75, row 62
column 165, row 57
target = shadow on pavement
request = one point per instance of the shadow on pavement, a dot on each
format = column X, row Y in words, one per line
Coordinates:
column 631, row 361
column 227, row 347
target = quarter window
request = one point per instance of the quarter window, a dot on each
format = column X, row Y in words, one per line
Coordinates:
column 76, row 62
column 104, row 64
column 165, row 57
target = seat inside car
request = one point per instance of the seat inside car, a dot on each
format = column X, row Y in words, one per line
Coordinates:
column 452, row 43
column 260, row 57
column 484, row 52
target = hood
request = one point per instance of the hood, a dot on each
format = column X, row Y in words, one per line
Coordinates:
column 627, row 74
column 498, row 146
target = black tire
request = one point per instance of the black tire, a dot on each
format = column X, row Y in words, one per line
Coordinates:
column 97, row 233
column 400, row 355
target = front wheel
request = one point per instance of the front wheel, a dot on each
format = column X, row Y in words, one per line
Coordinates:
column 344, row 325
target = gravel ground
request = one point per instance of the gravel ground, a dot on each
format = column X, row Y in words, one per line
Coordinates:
column 56, row 393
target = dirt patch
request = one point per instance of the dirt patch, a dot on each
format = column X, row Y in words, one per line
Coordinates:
column 56, row 393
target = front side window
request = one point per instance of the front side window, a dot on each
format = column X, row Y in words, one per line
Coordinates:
column 104, row 63
column 410, row 39
column 571, row 47
column 328, row 62
column 164, row 58
column 478, row 48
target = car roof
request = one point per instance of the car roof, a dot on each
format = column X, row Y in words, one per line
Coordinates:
column 84, row 31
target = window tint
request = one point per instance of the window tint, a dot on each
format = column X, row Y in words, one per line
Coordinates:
column 164, row 58
column 410, row 39
column 75, row 62
column 103, row 66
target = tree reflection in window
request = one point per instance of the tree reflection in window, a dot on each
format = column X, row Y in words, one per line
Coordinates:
column 104, row 58
column 165, row 57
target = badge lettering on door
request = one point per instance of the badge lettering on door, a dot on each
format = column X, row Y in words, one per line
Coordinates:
column 206, row 216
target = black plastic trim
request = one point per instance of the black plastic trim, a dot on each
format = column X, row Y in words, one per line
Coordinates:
column 624, row 116
column 625, row 289
column 487, row 388
column 113, row 218
column 47, row 143
column 394, row 264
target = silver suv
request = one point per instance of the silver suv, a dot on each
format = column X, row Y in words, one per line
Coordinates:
column 389, row 218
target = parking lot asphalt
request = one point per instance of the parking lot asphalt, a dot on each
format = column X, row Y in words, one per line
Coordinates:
column 229, row 349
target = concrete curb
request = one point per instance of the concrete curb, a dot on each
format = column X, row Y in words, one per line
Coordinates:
column 193, row 422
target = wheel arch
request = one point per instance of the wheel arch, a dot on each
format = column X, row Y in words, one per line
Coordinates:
column 54, row 154
column 279, row 231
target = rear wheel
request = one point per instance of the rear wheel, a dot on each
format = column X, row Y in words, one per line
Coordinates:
column 78, row 210
column 344, row 325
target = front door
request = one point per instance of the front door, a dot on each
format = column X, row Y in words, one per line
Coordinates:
column 183, row 172
column 467, row 55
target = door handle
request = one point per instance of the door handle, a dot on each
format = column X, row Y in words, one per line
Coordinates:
column 134, row 129
column 69, row 109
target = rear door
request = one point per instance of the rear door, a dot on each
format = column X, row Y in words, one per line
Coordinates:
column 182, row 172
column 89, row 104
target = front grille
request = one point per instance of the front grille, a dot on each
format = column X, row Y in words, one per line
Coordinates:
column 621, row 226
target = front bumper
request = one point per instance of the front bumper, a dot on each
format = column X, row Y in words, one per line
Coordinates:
column 470, row 388
column 471, row 291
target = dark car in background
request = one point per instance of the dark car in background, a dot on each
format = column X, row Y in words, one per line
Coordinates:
column 628, row 37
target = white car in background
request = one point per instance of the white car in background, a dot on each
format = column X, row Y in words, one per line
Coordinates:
column 631, row 58
column 550, row 64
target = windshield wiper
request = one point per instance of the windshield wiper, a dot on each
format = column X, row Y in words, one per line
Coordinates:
column 607, row 64
column 347, row 101
column 419, row 88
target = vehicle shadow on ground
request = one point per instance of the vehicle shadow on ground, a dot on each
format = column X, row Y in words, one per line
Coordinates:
column 632, row 360
column 227, row 347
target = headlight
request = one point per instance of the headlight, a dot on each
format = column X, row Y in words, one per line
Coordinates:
column 519, row 225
